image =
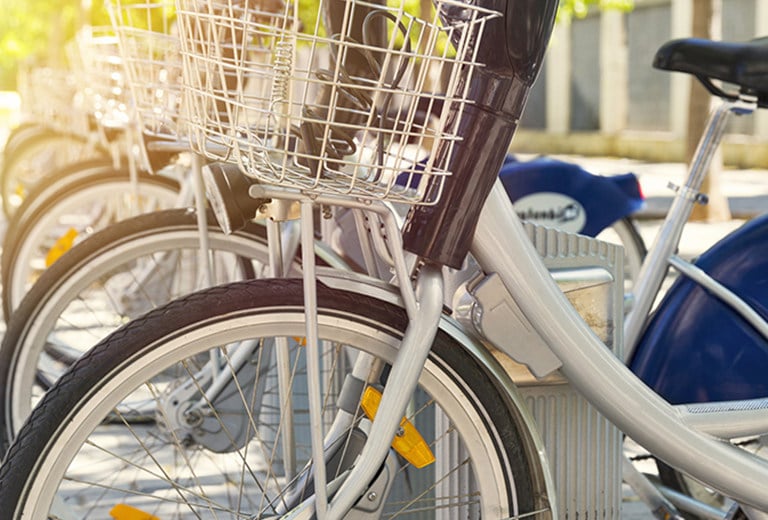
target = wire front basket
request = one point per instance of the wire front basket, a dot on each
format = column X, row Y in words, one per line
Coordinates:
column 50, row 95
column 101, row 76
column 367, row 104
column 150, row 49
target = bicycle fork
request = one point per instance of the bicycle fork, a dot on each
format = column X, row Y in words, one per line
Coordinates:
column 424, row 305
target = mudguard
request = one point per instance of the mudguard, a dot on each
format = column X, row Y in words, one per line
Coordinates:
column 565, row 196
column 695, row 348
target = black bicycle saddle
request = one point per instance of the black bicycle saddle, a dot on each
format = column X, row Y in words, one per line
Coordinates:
column 744, row 64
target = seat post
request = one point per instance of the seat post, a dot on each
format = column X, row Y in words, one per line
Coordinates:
column 655, row 267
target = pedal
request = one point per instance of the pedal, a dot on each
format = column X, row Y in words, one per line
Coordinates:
column 408, row 442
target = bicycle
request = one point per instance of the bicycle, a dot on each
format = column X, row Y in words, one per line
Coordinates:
column 87, row 195
column 75, row 201
column 113, row 276
column 132, row 265
column 563, row 195
column 44, row 226
column 578, row 350
column 54, row 132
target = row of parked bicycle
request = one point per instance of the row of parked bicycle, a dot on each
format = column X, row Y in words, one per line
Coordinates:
column 262, row 261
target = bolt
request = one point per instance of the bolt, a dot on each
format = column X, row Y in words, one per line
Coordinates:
column 372, row 496
column 193, row 417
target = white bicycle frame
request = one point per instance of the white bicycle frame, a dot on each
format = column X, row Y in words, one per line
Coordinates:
column 683, row 436
column 689, row 437
column 662, row 253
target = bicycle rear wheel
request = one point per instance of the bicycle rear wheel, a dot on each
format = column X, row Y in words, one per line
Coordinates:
column 103, row 282
column 221, row 453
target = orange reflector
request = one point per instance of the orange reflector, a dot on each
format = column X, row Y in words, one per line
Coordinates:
column 408, row 443
column 124, row 512
column 62, row 245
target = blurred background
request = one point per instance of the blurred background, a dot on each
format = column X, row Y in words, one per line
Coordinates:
column 598, row 94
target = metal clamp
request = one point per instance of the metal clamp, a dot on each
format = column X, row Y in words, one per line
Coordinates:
column 687, row 193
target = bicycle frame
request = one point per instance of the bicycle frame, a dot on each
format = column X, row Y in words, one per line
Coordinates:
column 680, row 435
column 583, row 359
column 602, row 378
column 442, row 234
column 655, row 266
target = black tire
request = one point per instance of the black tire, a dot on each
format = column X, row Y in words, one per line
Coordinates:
column 62, row 189
column 498, row 457
column 71, row 306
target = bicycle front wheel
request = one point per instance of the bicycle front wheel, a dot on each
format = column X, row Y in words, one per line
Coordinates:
column 36, row 152
column 224, row 442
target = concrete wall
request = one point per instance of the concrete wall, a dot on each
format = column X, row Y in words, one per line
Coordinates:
column 598, row 93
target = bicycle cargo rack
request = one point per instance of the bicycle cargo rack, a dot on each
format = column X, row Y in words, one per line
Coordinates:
column 584, row 449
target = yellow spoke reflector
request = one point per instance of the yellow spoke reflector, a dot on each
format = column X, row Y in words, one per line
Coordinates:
column 302, row 341
column 62, row 245
column 124, row 512
column 408, row 442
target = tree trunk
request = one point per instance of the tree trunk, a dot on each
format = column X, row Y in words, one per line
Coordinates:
column 706, row 24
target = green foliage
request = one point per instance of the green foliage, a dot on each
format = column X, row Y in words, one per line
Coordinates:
column 308, row 10
column 580, row 8
column 33, row 31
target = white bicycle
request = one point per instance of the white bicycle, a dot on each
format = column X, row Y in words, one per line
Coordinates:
column 245, row 380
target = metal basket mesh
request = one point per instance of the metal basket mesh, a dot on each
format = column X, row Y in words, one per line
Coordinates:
column 368, row 107
column 47, row 95
column 102, row 77
column 150, row 50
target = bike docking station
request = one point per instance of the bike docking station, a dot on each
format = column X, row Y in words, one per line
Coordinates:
column 583, row 448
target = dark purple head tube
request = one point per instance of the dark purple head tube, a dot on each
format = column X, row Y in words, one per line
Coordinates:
column 443, row 232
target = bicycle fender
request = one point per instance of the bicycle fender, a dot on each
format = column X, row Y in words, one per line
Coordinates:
column 565, row 196
column 493, row 361
column 697, row 349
